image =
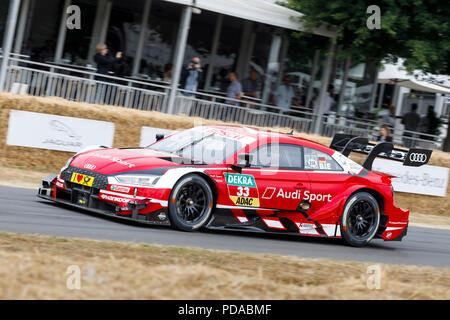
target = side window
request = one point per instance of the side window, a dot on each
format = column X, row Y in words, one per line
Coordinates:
column 318, row 160
column 281, row 156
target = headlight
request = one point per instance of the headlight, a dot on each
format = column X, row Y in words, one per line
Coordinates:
column 135, row 180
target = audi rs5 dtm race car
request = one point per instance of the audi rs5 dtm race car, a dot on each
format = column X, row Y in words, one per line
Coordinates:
column 238, row 178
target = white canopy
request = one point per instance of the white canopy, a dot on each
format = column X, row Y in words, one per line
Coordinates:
column 396, row 74
column 417, row 85
column 262, row 11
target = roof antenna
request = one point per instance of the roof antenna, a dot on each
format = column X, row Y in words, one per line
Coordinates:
column 291, row 133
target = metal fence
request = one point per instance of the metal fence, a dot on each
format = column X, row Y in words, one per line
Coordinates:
column 40, row 79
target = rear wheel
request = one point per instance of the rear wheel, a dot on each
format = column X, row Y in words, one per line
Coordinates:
column 360, row 219
column 190, row 203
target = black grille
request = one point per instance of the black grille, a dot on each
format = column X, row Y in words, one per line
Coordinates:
column 100, row 180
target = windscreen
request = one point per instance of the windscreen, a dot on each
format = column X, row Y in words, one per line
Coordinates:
column 203, row 144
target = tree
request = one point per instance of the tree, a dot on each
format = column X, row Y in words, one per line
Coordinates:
column 417, row 31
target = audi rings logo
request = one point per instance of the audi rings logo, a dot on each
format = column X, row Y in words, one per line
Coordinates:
column 418, row 157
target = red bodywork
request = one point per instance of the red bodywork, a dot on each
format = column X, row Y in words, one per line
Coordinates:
column 273, row 195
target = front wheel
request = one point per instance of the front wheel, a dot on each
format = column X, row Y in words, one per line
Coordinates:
column 190, row 203
column 360, row 219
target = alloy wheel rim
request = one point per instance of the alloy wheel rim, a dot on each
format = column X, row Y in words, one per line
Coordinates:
column 191, row 203
column 361, row 219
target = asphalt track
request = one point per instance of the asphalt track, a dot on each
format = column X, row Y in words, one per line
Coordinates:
column 21, row 211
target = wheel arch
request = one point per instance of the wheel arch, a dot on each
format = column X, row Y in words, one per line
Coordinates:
column 211, row 184
column 208, row 180
column 375, row 194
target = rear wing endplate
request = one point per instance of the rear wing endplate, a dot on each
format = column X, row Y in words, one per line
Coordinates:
column 346, row 143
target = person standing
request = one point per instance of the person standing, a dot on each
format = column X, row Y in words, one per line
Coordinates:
column 389, row 118
column 234, row 90
column 191, row 77
column 250, row 85
column 430, row 124
column 329, row 100
column 385, row 134
column 105, row 60
column 284, row 96
column 168, row 68
column 411, row 121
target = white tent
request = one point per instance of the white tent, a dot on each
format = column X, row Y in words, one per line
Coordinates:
column 417, row 85
column 396, row 74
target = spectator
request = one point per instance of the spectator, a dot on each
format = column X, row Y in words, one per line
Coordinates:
column 411, row 121
column 168, row 72
column 389, row 118
column 105, row 60
column 284, row 96
column 430, row 124
column 250, row 85
column 234, row 90
column 385, row 134
column 191, row 77
column 329, row 100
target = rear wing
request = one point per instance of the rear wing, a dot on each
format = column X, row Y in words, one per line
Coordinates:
column 346, row 143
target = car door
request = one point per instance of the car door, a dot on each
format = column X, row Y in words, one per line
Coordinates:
column 327, row 179
column 279, row 180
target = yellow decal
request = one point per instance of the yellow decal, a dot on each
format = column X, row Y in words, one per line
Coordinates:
column 82, row 179
column 244, row 201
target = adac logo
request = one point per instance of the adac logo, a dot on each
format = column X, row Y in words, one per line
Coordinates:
column 243, row 180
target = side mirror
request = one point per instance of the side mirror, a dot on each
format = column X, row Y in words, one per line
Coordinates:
column 247, row 158
column 159, row 136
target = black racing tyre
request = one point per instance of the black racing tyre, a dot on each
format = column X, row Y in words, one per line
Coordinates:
column 191, row 203
column 360, row 219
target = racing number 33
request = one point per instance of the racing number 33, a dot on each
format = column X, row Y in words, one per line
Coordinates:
column 242, row 189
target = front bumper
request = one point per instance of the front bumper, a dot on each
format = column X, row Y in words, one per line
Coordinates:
column 142, row 210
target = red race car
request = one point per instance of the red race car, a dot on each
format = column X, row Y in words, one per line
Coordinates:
column 239, row 178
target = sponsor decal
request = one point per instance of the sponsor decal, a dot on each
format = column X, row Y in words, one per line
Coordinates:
column 59, row 185
column 120, row 188
column 114, row 159
column 242, row 189
column 245, row 201
column 82, row 179
column 90, row 166
column 323, row 164
column 235, row 179
column 299, row 195
column 268, row 193
column 418, row 157
column 308, row 196
column 113, row 198
column 307, row 229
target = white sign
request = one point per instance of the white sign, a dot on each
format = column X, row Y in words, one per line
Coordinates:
column 148, row 135
column 429, row 180
column 46, row 131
